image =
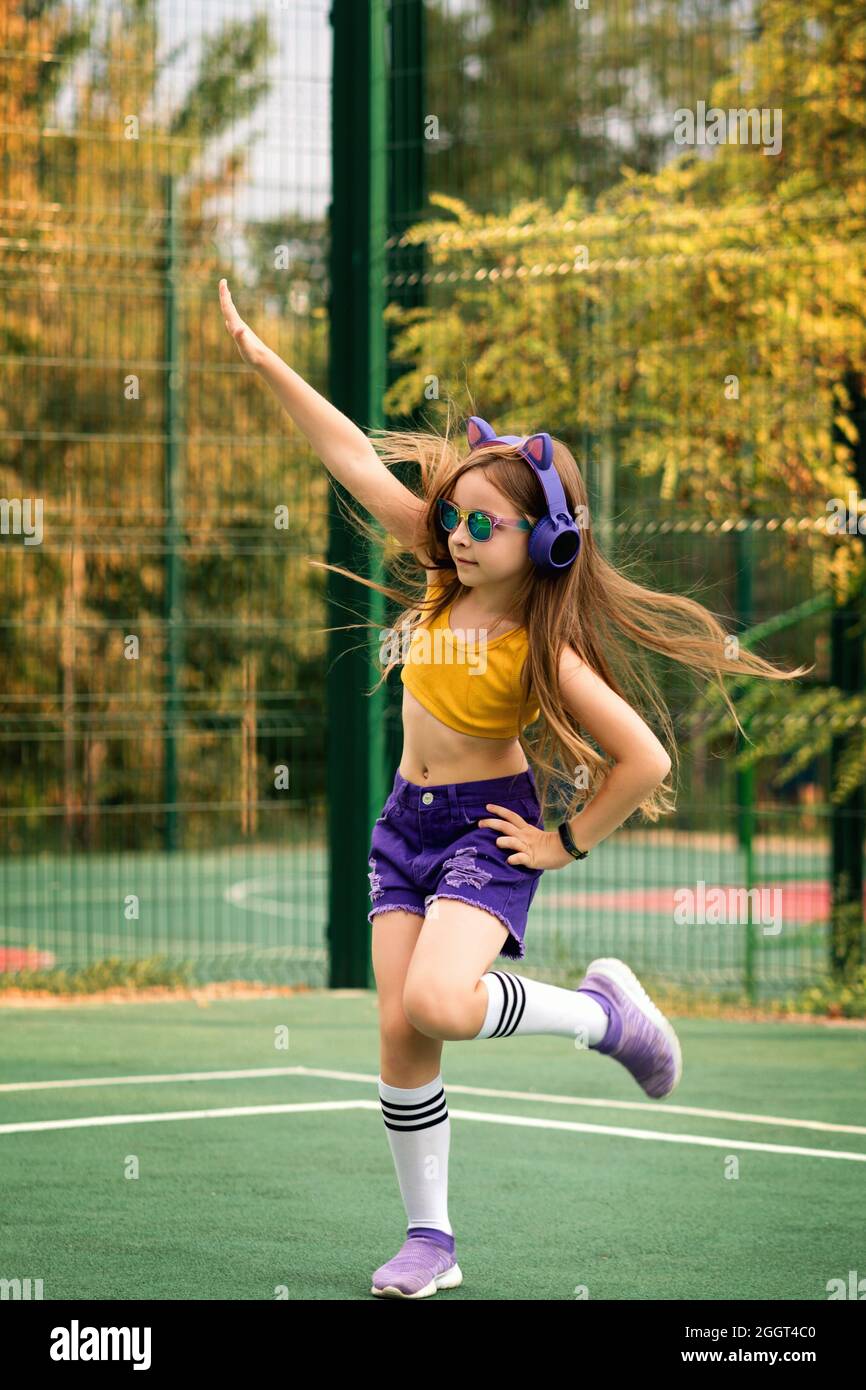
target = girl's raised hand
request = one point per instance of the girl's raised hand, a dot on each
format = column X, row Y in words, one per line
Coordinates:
column 537, row 849
column 249, row 345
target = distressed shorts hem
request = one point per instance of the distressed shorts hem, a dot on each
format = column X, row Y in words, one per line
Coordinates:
column 396, row 907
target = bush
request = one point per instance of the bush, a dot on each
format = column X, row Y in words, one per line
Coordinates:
column 111, row 973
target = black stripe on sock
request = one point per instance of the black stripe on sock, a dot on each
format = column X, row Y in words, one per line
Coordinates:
column 417, row 1105
column 438, row 1111
column 512, row 1012
column 517, row 980
column 508, row 996
column 427, row 1125
column 432, row 1111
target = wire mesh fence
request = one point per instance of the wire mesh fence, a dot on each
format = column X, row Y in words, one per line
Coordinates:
column 163, row 716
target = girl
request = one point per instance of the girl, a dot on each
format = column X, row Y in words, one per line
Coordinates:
column 520, row 622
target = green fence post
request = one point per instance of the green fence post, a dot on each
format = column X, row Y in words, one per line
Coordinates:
column 355, row 734
column 173, row 389
column 745, row 779
column 407, row 192
column 848, row 821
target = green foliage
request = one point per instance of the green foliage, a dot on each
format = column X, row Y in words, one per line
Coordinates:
column 537, row 95
column 111, row 973
column 86, row 256
column 833, row 998
column 730, row 266
column 795, row 725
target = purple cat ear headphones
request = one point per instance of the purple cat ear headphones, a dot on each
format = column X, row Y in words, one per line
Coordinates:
column 555, row 540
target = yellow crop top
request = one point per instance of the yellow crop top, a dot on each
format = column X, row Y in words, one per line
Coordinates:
column 472, row 686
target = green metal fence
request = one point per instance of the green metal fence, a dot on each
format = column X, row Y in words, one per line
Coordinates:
column 191, row 766
column 164, row 722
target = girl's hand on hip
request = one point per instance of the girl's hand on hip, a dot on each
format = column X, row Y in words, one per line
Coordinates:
column 249, row 345
column 534, row 848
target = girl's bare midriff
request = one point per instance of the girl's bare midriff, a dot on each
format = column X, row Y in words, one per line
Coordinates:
column 434, row 754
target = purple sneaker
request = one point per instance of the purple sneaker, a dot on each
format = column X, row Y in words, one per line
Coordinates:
column 420, row 1268
column 638, row 1034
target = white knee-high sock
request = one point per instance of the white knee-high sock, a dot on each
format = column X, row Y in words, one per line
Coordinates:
column 419, row 1133
column 516, row 1005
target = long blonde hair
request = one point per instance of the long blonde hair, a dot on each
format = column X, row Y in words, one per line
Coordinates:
column 591, row 607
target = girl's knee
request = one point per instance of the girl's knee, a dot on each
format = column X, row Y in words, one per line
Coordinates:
column 433, row 1008
column 395, row 1028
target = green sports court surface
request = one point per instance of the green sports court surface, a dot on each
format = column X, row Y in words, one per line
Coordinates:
column 237, row 1151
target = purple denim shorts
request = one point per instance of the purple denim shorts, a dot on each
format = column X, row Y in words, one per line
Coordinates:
column 427, row 844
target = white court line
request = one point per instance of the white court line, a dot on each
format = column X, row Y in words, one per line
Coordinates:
column 250, row 1073
column 366, row 1078
column 95, row 1121
column 237, row 893
column 523, row 1121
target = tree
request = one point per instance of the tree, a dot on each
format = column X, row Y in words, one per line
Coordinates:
column 84, row 420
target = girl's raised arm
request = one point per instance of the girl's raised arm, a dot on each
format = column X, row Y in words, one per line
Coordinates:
column 344, row 449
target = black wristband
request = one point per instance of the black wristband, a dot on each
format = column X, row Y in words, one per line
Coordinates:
column 568, row 842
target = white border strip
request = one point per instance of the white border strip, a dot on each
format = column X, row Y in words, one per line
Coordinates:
column 523, row 1121
column 368, row 1078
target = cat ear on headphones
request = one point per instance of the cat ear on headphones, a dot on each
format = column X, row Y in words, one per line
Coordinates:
column 478, row 431
column 539, row 448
